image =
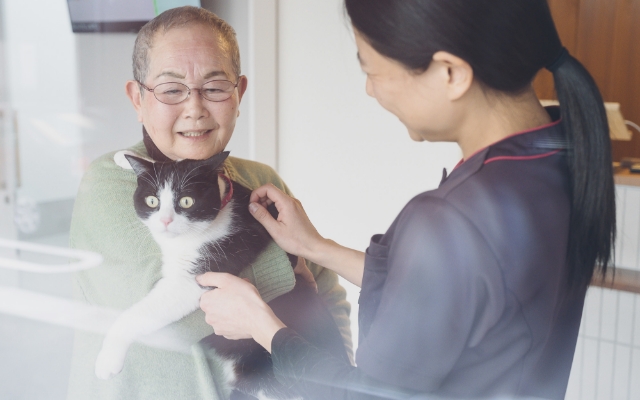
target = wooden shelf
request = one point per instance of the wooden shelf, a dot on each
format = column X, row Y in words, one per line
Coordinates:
column 619, row 279
column 622, row 176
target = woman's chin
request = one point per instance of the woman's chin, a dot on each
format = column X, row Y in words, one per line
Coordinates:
column 415, row 136
column 197, row 150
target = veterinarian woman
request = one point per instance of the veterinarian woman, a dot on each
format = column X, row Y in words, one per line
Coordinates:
column 477, row 288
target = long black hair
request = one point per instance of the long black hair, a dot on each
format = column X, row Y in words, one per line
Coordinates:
column 507, row 42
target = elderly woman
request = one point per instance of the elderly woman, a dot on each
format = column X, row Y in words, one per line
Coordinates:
column 191, row 48
column 477, row 288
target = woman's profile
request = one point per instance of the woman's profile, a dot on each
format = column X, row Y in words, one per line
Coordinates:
column 476, row 290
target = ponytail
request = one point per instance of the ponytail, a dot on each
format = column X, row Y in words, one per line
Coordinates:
column 592, row 227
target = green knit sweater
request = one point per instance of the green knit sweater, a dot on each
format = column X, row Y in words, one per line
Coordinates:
column 104, row 221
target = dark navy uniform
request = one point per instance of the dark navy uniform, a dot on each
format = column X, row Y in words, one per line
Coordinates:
column 466, row 294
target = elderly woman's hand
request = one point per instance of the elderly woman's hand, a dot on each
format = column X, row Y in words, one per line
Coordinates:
column 235, row 309
column 292, row 230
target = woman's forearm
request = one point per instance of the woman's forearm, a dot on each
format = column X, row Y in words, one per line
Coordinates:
column 266, row 326
column 346, row 262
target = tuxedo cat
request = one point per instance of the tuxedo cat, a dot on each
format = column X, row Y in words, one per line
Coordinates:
column 201, row 222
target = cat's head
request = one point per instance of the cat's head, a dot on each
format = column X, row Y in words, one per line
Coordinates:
column 179, row 197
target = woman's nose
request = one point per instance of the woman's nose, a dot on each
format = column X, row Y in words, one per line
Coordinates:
column 194, row 105
column 369, row 87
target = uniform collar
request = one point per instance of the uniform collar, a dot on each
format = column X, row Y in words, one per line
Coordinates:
column 534, row 143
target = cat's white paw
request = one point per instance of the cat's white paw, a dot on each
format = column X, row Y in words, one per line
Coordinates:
column 109, row 363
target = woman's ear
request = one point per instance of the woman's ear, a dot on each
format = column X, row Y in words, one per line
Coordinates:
column 132, row 89
column 460, row 74
column 242, row 86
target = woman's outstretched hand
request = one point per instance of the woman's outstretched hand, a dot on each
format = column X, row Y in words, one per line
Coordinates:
column 235, row 309
column 292, row 231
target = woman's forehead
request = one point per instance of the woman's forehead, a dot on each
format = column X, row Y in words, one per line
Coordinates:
column 181, row 52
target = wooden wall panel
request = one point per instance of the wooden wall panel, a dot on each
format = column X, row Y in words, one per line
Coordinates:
column 605, row 36
column 624, row 81
column 565, row 14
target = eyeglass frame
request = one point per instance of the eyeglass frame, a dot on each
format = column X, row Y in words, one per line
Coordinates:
column 235, row 86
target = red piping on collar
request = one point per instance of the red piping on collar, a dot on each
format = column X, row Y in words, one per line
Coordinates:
column 521, row 158
column 229, row 194
column 549, row 125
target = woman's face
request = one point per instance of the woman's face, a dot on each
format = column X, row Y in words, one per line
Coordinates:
column 196, row 128
column 419, row 100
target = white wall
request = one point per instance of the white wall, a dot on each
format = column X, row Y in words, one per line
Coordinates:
column 349, row 161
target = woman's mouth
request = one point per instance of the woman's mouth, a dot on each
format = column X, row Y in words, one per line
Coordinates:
column 194, row 134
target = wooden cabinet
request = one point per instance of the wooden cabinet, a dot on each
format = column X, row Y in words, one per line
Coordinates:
column 605, row 36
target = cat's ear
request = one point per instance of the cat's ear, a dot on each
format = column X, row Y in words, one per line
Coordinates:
column 139, row 165
column 215, row 161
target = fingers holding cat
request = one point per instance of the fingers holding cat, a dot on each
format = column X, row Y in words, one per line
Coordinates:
column 292, row 230
column 303, row 271
column 235, row 309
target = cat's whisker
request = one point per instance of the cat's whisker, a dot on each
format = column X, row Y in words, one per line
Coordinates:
column 148, row 180
column 191, row 174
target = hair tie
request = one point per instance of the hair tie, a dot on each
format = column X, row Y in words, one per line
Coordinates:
column 557, row 63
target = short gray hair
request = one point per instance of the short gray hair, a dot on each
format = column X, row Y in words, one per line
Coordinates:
column 177, row 18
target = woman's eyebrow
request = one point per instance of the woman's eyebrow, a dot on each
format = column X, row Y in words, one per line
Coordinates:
column 176, row 75
column 171, row 74
column 214, row 74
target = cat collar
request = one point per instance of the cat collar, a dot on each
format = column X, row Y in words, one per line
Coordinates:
column 229, row 195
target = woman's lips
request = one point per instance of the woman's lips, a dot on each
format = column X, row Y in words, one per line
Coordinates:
column 194, row 134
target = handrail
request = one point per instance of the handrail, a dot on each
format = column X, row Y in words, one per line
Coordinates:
column 619, row 278
column 84, row 259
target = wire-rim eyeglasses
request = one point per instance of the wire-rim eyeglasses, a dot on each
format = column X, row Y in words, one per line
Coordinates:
column 175, row 92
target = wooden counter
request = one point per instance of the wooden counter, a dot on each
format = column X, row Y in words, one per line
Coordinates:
column 619, row 279
column 622, row 176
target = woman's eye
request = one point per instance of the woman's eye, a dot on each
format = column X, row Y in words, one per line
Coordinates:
column 152, row 201
column 186, row 202
column 173, row 92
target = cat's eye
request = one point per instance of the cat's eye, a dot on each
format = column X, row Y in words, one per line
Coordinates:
column 186, row 202
column 152, row 201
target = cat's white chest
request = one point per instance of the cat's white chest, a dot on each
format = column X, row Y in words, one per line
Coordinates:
column 180, row 253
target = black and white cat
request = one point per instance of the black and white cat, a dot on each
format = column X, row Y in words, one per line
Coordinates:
column 200, row 220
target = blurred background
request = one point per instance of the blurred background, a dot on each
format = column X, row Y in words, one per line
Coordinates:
column 63, row 66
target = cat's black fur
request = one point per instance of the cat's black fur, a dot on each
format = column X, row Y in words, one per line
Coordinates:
column 301, row 309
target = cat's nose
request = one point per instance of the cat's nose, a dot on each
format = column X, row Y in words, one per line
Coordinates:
column 166, row 221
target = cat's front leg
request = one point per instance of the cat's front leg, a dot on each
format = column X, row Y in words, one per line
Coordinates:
column 170, row 299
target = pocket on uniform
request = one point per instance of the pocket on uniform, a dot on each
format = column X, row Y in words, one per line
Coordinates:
column 373, row 279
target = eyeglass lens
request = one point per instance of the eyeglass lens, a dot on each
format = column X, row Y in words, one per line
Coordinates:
column 174, row 92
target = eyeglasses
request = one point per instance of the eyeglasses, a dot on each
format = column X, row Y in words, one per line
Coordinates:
column 174, row 92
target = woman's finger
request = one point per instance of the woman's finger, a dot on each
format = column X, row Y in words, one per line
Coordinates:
column 267, row 192
column 306, row 274
column 215, row 279
column 263, row 216
column 229, row 308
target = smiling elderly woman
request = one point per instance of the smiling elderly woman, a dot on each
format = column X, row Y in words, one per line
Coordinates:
column 186, row 91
